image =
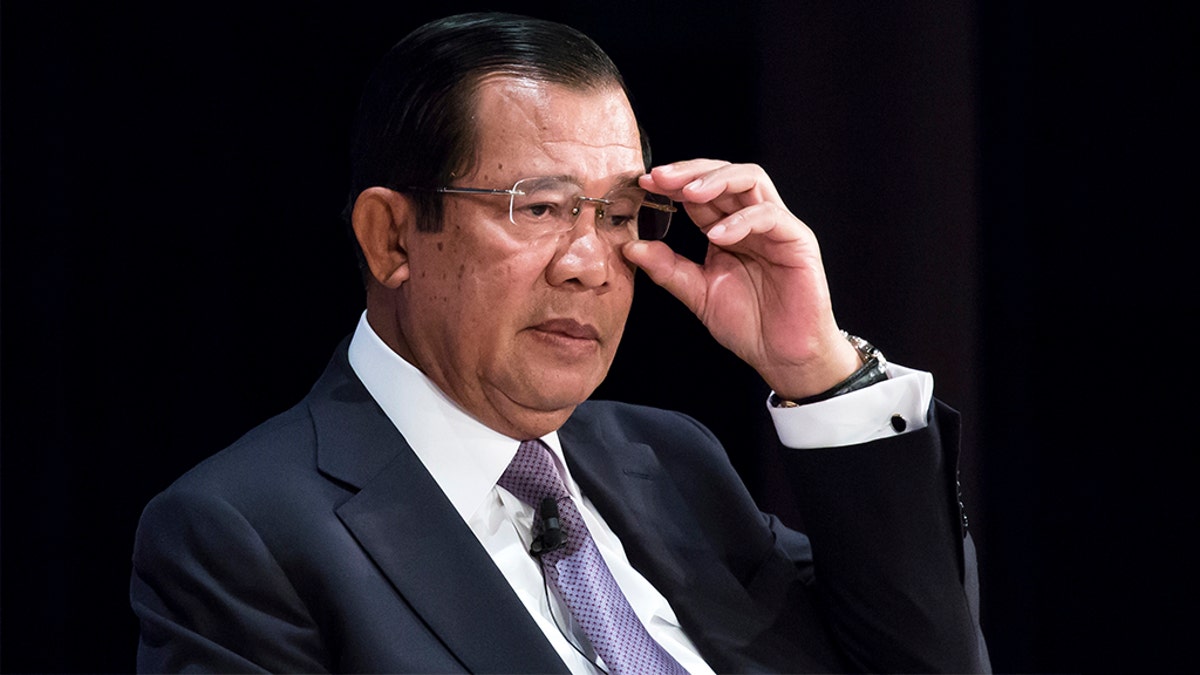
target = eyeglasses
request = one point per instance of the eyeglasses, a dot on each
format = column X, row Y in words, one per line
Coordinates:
column 551, row 205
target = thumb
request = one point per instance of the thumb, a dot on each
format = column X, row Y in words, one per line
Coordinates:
column 681, row 277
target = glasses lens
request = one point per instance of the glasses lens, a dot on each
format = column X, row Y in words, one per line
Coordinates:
column 654, row 218
column 543, row 205
column 621, row 212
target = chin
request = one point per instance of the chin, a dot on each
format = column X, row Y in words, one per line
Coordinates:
column 552, row 390
column 561, row 399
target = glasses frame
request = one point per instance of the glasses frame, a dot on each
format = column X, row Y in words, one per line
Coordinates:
column 600, row 202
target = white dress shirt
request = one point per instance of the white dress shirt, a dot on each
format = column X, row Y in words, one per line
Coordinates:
column 466, row 459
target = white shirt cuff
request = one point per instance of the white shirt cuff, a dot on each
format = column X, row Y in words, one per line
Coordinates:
column 896, row 405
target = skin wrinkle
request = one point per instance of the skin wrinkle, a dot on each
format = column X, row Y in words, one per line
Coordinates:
column 597, row 146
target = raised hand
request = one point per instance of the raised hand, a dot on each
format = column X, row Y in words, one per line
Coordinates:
column 761, row 290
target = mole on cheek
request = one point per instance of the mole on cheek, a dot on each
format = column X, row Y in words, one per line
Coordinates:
column 441, row 245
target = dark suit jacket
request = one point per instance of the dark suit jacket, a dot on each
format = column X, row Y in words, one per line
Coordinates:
column 319, row 542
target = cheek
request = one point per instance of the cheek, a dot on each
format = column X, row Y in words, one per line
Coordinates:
column 624, row 273
column 500, row 291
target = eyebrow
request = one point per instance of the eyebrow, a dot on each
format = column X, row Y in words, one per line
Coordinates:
column 623, row 181
column 629, row 180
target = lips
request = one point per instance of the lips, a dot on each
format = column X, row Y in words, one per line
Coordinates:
column 569, row 328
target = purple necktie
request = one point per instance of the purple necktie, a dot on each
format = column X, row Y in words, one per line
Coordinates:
column 579, row 573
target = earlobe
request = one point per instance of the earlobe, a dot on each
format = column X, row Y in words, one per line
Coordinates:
column 382, row 220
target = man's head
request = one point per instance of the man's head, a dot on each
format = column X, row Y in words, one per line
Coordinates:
column 517, row 327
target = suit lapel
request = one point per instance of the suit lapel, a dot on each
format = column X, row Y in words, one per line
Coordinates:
column 406, row 524
column 628, row 485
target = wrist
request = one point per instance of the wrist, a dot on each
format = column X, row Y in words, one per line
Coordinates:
column 872, row 368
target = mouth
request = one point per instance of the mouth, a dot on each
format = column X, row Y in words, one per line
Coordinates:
column 568, row 329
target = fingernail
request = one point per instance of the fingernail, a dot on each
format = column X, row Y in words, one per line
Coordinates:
column 716, row 231
column 694, row 185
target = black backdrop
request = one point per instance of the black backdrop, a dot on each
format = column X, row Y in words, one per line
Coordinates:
column 1001, row 190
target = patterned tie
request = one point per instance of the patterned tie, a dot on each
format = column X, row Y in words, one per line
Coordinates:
column 579, row 573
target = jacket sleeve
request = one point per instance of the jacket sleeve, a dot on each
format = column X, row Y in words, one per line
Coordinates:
column 210, row 596
column 893, row 566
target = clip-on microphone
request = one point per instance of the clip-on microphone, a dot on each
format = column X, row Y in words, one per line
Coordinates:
column 552, row 537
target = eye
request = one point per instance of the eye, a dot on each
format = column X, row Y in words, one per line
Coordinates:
column 621, row 213
column 540, row 201
column 536, row 210
column 620, row 219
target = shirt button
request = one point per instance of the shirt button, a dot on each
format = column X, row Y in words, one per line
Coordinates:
column 898, row 423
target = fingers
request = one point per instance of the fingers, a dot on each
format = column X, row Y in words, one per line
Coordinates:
column 768, row 219
column 686, row 280
column 670, row 179
column 707, row 181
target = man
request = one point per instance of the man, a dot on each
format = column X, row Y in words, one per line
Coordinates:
column 405, row 517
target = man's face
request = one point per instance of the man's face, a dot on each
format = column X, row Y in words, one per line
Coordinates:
column 518, row 331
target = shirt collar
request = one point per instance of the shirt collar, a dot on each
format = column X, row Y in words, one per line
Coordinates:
column 464, row 456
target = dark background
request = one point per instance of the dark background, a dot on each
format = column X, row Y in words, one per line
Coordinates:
column 1004, row 192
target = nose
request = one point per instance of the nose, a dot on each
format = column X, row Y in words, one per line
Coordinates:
column 583, row 257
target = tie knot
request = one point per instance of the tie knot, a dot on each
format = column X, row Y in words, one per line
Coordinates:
column 532, row 476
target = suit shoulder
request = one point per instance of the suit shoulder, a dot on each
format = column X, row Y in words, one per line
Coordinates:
column 282, row 446
column 266, row 485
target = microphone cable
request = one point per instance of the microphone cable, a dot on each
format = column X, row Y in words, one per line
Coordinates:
column 552, row 539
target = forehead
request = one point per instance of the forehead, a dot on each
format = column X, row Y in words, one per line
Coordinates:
column 529, row 128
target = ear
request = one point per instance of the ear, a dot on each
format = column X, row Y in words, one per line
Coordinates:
column 382, row 220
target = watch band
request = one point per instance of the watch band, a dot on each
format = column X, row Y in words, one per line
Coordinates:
column 872, row 370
